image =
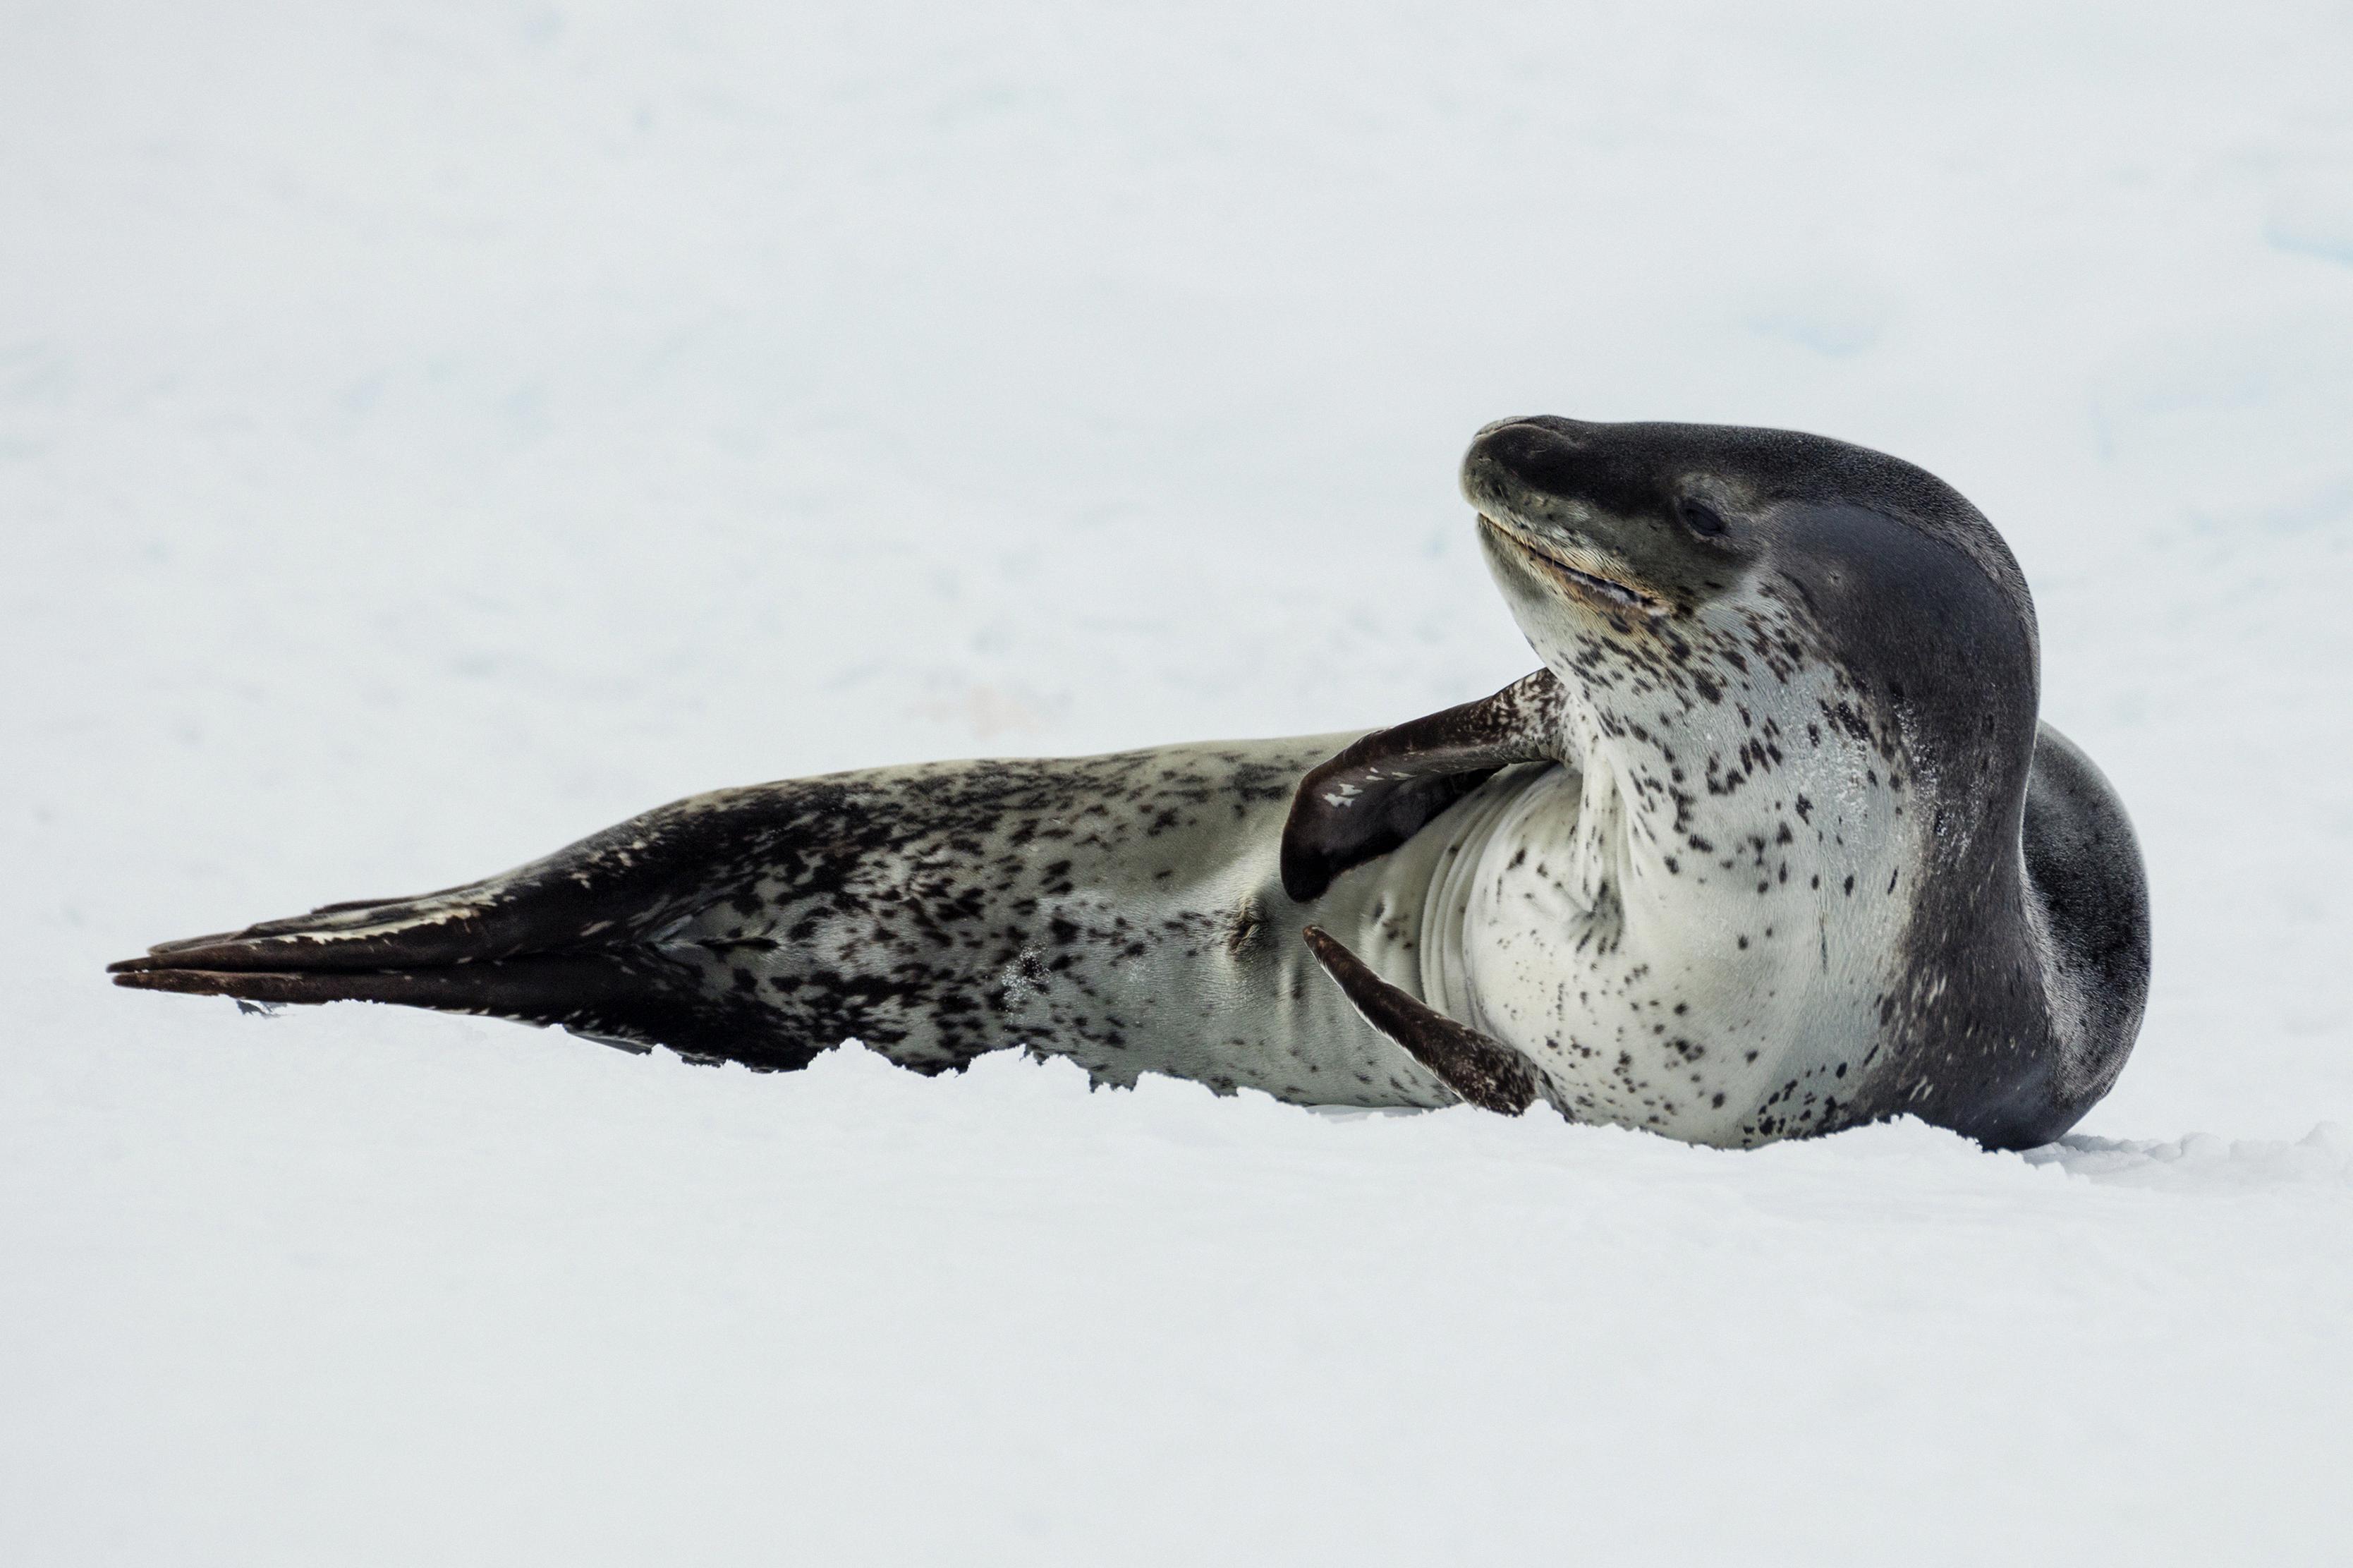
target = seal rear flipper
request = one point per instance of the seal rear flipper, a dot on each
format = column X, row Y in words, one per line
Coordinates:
column 636, row 999
column 1380, row 791
column 608, row 890
column 584, row 938
column 1482, row 1069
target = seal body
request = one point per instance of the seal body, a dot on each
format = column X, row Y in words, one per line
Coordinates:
column 1772, row 844
column 1123, row 910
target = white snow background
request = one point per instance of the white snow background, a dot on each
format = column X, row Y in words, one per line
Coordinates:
column 431, row 432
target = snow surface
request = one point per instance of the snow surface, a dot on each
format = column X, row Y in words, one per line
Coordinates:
column 431, row 432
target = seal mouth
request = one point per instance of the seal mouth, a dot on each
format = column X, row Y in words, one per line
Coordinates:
column 1596, row 589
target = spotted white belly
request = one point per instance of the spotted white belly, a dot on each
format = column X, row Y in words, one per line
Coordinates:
column 1691, row 1003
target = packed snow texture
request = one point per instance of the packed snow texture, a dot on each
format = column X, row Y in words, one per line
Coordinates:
column 431, row 432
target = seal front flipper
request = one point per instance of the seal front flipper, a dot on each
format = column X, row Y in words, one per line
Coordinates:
column 1379, row 791
column 1482, row 1069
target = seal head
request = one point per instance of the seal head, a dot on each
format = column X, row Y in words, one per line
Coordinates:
column 1807, row 859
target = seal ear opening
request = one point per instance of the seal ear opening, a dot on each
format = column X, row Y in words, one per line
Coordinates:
column 1482, row 1069
column 1385, row 788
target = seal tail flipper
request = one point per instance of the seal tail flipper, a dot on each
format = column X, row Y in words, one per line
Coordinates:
column 601, row 994
column 615, row 889
column 584, row 939
column 1379, row 791
column 1482, row 1069
column 639, row 997
column 456, row 925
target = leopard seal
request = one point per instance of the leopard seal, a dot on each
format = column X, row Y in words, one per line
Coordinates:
column 1772, row 844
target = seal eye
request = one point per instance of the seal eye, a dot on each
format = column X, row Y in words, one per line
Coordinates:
column 1700, row 518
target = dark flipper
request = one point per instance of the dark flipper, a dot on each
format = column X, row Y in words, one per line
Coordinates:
column 1482, row 1069
column 627, row 998
column 611, row 888
column 580, row 939
column 1378, row 793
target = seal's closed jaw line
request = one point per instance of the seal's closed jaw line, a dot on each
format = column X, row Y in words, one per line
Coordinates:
column 1600, row 587
column 1587, row 516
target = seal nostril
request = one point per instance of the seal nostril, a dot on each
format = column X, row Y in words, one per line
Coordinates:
column 1701, row 518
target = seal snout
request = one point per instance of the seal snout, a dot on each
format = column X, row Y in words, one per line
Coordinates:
column 1531, row 472
column 1540, row 452
column 1530, row 478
